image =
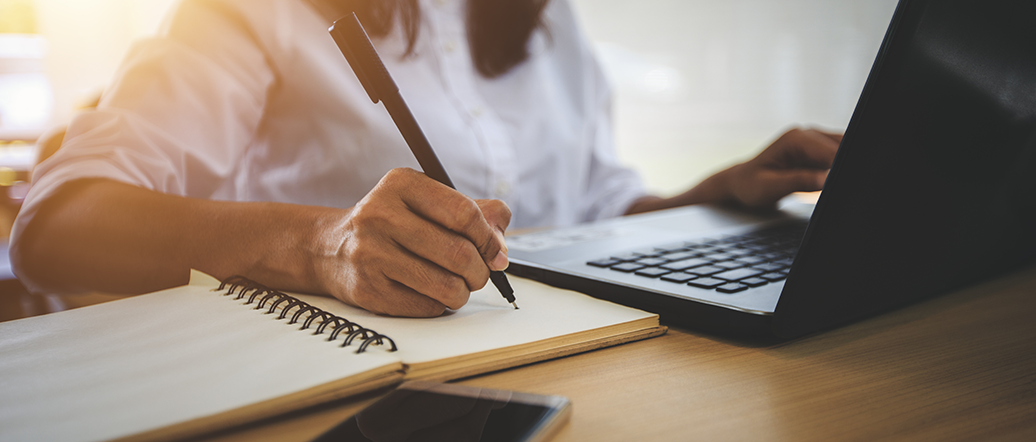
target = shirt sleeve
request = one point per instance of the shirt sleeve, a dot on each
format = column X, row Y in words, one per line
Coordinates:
column 612, row 187
column 176, row 119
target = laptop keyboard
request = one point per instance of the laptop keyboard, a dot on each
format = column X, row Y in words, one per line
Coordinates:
column 728, row 265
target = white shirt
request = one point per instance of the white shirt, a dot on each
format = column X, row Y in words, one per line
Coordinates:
column 251, row 100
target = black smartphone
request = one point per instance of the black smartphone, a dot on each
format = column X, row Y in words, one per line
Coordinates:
column 428, row 411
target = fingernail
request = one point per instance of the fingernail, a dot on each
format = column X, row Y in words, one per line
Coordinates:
column 500, row 262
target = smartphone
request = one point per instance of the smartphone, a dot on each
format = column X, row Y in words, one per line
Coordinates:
column 429, row 411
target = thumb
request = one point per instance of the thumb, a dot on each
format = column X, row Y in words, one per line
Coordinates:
column 498, row 216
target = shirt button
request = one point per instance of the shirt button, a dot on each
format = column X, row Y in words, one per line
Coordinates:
column 449, row 46
column 440, row 2
column 502, row 188
column 476, row 112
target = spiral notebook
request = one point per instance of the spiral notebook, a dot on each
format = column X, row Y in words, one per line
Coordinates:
column 209, row 355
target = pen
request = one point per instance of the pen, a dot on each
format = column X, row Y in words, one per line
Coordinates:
column 356, row 46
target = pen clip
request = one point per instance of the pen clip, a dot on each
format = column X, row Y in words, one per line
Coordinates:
column 358, row 50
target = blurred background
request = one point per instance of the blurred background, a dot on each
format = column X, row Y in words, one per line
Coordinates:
column 699, row 84
column 702, row 83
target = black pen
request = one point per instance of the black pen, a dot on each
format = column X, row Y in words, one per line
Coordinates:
column 357, row 48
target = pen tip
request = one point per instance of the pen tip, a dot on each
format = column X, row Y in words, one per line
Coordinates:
column 515, row 306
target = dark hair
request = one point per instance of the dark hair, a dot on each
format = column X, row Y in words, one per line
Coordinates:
column 498, row 30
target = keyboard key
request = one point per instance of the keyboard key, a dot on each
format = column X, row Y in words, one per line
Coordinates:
column 735, row 275
column 651, row 272
column 759, row 248
column 706, row 270
column 752, row 259
column 720, row 256
column 606, row 262
column 647, row 252
column 729, row 264
column 706, row 282
column 676, row 247
column 678, row 277
column 754, row 282
column 651, row 261
column 677, row 256
column 627, row 257
column 627, row 267
column 685, row 264
column 732, row 287
column 749, row 260
column 769, row 267
column 740, row 252
column 708, row 250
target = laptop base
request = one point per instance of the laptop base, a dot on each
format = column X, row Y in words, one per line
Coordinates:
column 671, row 310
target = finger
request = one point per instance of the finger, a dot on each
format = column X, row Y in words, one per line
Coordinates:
column 777, row 184
column 444, row 248
column 428, row 279
column 379, row 258
column 832, row 135
column 809, row 148
column 466, row 218
column 498, row 215
column 376, row 269
column 452, row 210
column 387, row 297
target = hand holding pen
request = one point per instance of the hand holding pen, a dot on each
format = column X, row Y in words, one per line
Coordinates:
column 451, row 220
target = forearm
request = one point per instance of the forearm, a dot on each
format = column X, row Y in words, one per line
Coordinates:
column 106, row 236
column 714, row 190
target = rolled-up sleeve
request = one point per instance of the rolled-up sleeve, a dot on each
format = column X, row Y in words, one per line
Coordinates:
column 177, row 118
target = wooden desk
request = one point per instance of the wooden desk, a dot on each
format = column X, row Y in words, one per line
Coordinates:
column 961, row 366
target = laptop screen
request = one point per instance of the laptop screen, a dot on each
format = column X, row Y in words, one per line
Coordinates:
column 934, row 185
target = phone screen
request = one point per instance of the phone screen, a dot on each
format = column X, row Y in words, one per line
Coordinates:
column 421, row 415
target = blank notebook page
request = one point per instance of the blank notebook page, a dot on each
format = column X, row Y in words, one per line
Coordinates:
column 149, row 361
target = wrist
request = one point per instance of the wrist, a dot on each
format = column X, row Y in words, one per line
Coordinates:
column 716, row 189
column 300, row 240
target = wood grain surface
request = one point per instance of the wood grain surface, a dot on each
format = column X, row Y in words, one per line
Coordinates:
column 958, row 367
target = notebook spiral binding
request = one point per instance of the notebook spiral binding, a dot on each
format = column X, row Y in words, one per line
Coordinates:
column 266, row 298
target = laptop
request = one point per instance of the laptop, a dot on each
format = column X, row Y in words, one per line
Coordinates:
column 933, row 188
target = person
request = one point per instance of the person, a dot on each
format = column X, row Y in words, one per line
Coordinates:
column 239, row 142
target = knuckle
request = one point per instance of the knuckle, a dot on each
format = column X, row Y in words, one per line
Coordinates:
column 395, row 180
column 468, row 215
column 795, row 133
column 368, row 297
column 480, row 281
column 452, row 291
column 505, row 211
column 464, row 253
column 468, row 210
column 498, row 208
column 398, row 174
column 475, row 273
column 429, row 309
